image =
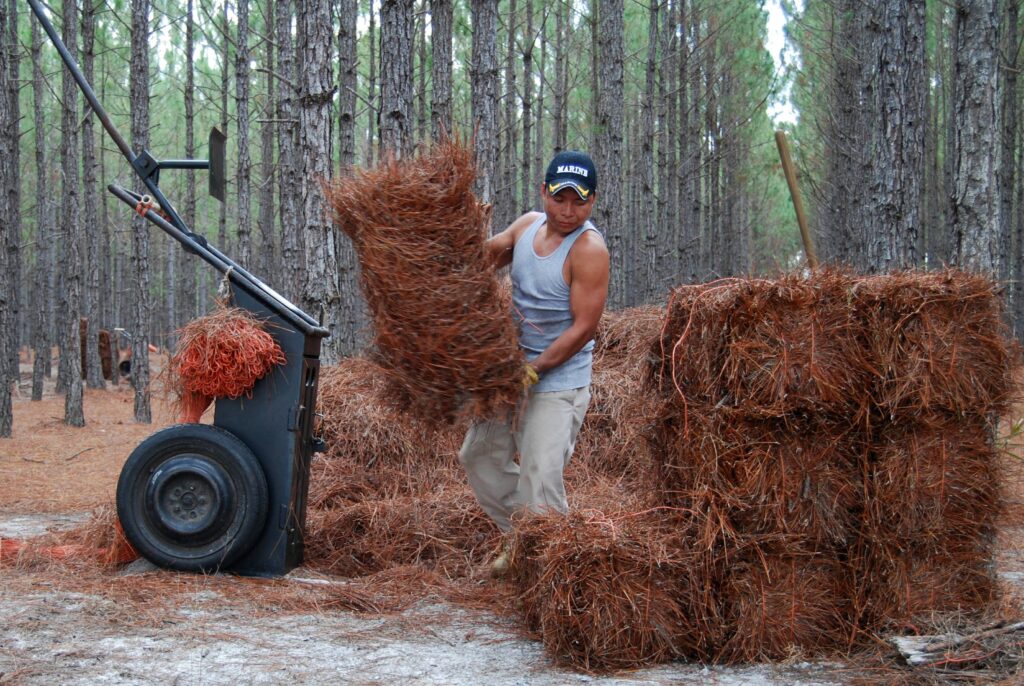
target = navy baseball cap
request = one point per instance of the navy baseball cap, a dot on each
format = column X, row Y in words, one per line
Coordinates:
column 571, row 169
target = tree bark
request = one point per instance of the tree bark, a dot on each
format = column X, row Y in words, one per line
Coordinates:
column 266, row 259
column 484, row 86
column 1010, row 139
column 8, row 146
column 977, row 147
column 244, row 171
column 13, row 188
column 441, row 68
column 397, row 23
column 71, row 218
column 507, row 205
column 139, row 101
column 316, row 90
column 90, row 206
column 609, row 149
column 44, row 230
column 647, row 190
column 189, row 302
column 348, row 62
column 528, row 180
column 288, row 162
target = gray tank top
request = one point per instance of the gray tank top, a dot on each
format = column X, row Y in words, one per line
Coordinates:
column 541, row 299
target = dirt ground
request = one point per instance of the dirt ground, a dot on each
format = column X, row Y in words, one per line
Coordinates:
column 142, row 625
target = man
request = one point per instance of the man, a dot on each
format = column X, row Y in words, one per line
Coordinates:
column 559, row 284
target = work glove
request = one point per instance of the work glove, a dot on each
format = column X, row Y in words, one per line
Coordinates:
column 530, row 377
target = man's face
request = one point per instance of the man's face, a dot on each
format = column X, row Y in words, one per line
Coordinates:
column 566, row 210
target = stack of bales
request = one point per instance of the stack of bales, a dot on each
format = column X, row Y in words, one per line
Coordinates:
column 823, row 468
column 830, row 441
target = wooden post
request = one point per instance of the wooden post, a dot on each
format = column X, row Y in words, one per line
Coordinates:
column 798, row 205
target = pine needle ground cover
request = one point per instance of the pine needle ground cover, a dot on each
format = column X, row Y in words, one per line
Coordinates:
column 744, row 489
column 443, row 334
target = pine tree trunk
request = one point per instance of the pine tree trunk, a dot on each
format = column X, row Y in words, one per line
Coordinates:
column 244, row 171
column 71, row 218
column 609, row 148
column 484, row 96
column 561, row 94
column 13, row 189
column 139, row 102
column 288, row 162
column 687, row 187
column 348, row 63
column 528, row 181
column 266, row 258
column 90, row 206
column 507, row 204
column 421, row 73
column 372, row 87
column 316, row 89
column 441, row 68
column 647, row 191
column 396, row 84
column 189, row 303
column 667, row 264
column 44, row 230
column 1010, row 138
column 225, row 59
column 351, row 318
column 977, row 148
column 8, row 146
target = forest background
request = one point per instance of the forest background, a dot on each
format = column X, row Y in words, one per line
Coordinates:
column 904, row 126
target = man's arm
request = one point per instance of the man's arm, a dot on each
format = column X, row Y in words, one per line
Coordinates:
column 588, row 290
column 499, row 247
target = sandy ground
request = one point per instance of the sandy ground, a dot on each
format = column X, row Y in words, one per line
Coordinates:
column 148, row 626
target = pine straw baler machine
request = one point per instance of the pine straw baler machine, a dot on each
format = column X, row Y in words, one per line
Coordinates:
column 229, row 496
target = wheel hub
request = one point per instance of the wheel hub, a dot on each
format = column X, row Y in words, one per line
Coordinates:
column 190, row 498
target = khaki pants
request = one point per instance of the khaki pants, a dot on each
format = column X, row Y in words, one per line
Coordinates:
column 545, row 438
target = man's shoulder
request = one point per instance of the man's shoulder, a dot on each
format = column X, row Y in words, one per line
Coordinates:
column 523, row 223
column 591, row 242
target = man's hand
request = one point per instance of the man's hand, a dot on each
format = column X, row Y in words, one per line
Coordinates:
column 530, row 377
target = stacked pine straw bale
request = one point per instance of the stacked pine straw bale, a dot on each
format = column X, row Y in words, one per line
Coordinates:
column 830, row 439
column 824, row 470
column 443, row 333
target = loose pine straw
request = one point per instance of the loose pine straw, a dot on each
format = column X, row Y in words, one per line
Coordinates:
column 790, row 483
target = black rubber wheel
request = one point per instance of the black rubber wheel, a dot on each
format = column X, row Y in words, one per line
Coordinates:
column 192, row 497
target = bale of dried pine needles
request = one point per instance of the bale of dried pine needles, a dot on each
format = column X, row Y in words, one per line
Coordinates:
column 830, row 437
column 597, row 588
column 443, row 333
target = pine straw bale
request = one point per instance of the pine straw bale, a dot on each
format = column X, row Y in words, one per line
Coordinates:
column 938, row 476
column 442, row 530
column 927, row 538
column 800, row 477
column 780, row 601
column 766, row 348
column 443, row 333
column 597, row 588
column 915, row 585
column 938, row 341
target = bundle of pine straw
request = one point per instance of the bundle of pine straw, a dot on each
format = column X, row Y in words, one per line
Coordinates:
column 443, row 333
column 598, row 588
column 830, row 438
